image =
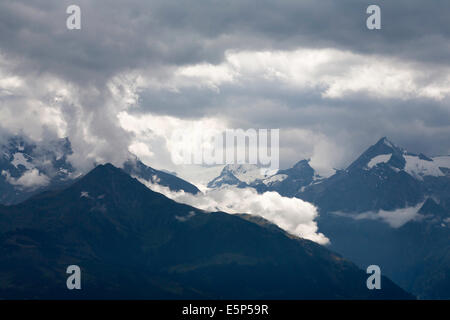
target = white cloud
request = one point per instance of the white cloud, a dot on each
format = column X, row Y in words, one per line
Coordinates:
column 28, row 102
column 77, row 89
column 208, row 75
column 336, row 73
column 30, row 179
column 325, row 153
column 45, row 106
column 291, row 214
column 94, row 117
column 154, row 141
column 395, row 218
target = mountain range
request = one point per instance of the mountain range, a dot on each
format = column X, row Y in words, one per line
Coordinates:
column 389, row 207
column 286, row 182
column 133, row 243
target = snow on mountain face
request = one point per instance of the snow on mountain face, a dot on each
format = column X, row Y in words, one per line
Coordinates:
column 382, row 158
column 27, row 166
column 247, row 173
column 389, row 143
column 399, row 159
column 443, row 162
column 418, row 168
column 286, row 182
column 383, row 151
column 22, row 159
column 239, row 175
column 275, row 178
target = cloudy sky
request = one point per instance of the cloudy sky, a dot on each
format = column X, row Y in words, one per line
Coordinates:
column 137, row 70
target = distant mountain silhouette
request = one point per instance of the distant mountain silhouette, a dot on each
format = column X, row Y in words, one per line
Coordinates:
column 131, row 242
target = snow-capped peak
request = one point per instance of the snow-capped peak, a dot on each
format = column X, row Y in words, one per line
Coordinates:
column 384, row 151
column 388, row 143
column 419, row 167
column 385, row 154
column 247, row 173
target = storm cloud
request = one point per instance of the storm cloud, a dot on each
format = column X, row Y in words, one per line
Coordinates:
column 313, row 70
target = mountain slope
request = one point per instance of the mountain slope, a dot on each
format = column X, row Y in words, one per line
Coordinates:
column 290, row 182
column 374, row 181
column 391, row 208
column 416, row 255
column 131, row 242
column 134, row 167
column 384, row 177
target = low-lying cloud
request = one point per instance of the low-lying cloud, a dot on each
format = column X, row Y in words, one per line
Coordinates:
column 290, row 214
column 30, row 179
column 395, row 218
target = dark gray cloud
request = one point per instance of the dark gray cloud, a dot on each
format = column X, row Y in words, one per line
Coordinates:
column 127, row 34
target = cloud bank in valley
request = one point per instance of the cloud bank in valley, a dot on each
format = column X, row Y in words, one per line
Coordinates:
column 290, row 214
column 395, row 218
